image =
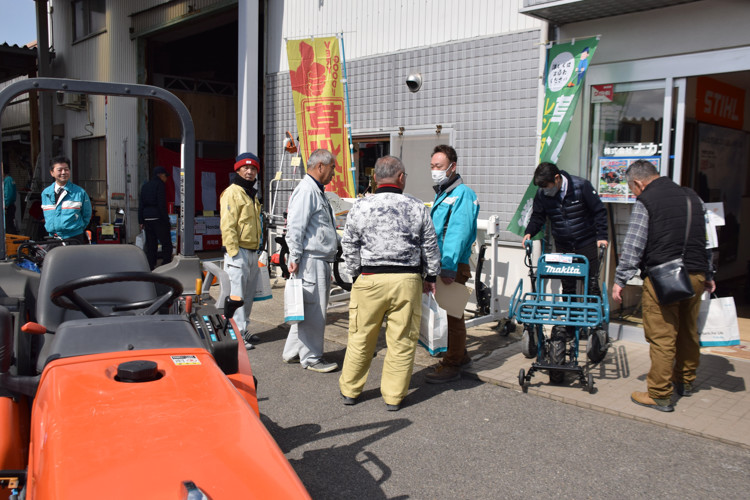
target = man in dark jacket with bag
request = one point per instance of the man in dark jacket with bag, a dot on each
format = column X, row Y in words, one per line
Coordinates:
column 658, row 232
column 577, row 216
column 154, row 219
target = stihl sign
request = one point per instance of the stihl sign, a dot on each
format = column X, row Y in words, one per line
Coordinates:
column 719, row 103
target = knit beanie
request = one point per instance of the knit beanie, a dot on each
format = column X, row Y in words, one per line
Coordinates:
column 247, row 159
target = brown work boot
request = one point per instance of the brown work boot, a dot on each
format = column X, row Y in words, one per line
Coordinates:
column 443, row 374
column 643, row 399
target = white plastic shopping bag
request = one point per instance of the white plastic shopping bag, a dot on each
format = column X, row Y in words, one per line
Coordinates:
column 294, row 306
column 140, row 240
column 433, row 332
column 717, row 321
column 263, row 287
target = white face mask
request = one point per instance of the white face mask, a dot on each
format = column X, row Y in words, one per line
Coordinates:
column 438, row 176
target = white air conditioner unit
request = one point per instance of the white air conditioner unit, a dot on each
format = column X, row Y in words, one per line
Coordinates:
column 72, row 101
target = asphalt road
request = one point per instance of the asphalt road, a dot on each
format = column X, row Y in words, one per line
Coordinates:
column 471, row 440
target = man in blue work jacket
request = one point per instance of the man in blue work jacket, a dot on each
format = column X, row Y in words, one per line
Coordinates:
column 454, row 214
column 67, row 208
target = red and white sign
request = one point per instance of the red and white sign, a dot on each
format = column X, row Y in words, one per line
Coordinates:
column 719, row 103
column 602, row 93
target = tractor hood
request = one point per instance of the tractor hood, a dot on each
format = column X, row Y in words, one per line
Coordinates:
column 142, row 433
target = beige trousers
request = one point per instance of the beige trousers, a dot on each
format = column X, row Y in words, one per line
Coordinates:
column 672, row 334
column 399, row 298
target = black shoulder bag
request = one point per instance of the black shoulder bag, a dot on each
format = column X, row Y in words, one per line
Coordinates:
column 671, row 280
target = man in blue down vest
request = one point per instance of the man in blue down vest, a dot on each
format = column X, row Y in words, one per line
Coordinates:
column 578, row 219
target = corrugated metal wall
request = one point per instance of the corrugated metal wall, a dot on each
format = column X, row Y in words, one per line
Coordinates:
column 110, row 56
column 485, row 88
column 386, row 26
column 16, row 114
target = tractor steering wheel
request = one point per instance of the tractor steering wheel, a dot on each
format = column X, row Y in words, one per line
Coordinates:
column 78, row 303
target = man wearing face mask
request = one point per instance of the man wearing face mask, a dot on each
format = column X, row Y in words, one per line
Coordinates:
column 578, row 219
column 454, row 214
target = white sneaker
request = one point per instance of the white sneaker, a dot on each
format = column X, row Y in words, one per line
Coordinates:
column 321, row 366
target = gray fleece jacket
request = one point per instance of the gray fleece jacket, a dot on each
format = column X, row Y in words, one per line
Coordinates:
column 311, row 228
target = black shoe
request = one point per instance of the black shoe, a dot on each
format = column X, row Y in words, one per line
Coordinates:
column 347, row 400
column 392, row 407
column 250, row 340
column 684, row 389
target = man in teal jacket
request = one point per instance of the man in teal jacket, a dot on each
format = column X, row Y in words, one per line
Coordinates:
column 67, row 208
column 9, row 189
column 454, row 214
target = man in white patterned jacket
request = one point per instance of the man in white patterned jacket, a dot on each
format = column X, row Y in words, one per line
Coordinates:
column 389, row 243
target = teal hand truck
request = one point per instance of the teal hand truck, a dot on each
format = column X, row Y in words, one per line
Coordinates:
column 585, row 314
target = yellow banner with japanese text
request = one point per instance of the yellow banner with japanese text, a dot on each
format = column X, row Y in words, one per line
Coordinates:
column 315, row 67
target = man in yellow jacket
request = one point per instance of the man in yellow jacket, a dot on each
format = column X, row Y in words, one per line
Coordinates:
column 241, row 232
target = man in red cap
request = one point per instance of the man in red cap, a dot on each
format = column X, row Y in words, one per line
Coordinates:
column 242, row 235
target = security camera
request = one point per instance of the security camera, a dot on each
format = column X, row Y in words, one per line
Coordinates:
column 414, row 82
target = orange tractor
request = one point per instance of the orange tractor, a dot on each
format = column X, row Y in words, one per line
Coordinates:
column 118, row 382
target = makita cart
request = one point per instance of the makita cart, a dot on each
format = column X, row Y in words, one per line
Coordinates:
column 586, row 315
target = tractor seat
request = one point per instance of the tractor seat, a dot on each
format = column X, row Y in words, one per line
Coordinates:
column 63, row 264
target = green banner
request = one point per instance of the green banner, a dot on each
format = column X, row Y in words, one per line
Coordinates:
column 566, row 69
column 521, row 218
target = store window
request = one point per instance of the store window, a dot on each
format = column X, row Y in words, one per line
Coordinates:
column 89, row 18
column 627, row 126
column 90, row 167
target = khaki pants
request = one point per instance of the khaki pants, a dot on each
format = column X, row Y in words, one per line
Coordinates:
column 399, row 297
column 672, row 334
column 456, row 352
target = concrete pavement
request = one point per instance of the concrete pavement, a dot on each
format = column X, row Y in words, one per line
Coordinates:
column 720, row 409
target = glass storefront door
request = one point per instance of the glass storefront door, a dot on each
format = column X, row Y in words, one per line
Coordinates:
column 632, row 121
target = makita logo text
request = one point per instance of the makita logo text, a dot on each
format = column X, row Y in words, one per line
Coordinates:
column 562, row 269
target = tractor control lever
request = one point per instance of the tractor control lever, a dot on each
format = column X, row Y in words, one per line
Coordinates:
column 231, row 304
